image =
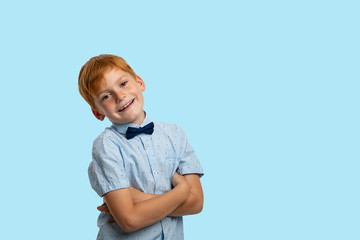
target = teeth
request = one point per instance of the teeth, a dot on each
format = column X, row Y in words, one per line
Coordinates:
column 126, row 106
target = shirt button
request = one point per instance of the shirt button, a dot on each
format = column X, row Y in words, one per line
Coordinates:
column 146, row 145
column 155, row 172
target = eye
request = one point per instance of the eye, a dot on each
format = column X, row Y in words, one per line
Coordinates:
column 123, row 83
column 106, row 96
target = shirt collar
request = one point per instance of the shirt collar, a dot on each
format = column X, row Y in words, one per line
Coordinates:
column 122, row 128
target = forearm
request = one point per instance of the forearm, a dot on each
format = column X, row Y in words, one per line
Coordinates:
column 192, row 205
column 188, row 207
column 144, row 213
column 160, row 206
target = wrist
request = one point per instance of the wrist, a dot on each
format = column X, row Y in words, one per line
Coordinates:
column 184, row 187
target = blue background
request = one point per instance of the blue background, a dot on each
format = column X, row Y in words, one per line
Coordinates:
column 267, row 92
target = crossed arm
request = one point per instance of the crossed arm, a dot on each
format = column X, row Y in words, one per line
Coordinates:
column 133, row 209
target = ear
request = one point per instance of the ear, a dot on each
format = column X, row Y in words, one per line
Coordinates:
column 98, row 115
column 141, row 83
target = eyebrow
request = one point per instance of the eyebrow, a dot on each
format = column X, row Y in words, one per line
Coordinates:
column 119, row 79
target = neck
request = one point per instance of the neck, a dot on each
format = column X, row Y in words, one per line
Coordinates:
column 140, row 119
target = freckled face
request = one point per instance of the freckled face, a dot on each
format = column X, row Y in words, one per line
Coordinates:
column 120, row 98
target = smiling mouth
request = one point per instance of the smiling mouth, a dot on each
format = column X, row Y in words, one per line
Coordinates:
column 126, row 106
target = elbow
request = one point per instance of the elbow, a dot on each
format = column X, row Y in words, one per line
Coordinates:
column 127, row 228
column 128, row 225
column 198, row 204
column 201, row 206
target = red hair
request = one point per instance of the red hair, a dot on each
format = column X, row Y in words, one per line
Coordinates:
column 93, row 71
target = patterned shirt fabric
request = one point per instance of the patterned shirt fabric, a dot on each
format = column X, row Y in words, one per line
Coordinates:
column 145, row 162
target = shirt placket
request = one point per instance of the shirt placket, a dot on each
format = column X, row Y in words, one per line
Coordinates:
column 155, row 171
column 154, row 167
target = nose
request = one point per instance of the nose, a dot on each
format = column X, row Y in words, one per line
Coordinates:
column 120, row 96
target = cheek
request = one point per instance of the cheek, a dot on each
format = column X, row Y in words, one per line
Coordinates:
column 108, row 105
column 141, row 100
column 140, row 96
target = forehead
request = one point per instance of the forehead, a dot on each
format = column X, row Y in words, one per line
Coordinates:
column 110, row 77
column 113, row 74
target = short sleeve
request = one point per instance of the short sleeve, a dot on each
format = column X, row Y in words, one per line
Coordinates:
column 106, row 171
column 189, row 163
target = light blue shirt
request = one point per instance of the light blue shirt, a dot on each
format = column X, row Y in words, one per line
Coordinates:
column 145, row 162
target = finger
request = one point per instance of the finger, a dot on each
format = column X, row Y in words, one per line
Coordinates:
column 111, row 220
column 103, row 208
column 108, row 213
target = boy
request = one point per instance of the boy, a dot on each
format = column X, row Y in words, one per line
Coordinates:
column 146, row 171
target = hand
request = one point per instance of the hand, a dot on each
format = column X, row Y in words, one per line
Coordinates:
column 135, row 194
column 104, row 208
column 178, row 179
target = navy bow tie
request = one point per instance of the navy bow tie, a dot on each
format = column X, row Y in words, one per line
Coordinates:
column 132, row 132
